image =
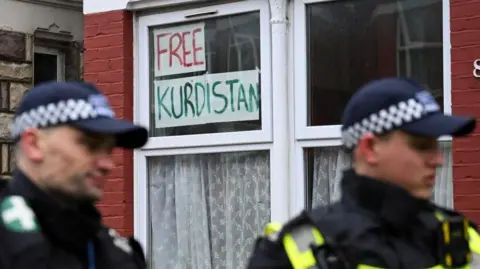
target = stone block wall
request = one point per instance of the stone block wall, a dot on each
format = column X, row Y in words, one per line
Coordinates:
column 16, row 76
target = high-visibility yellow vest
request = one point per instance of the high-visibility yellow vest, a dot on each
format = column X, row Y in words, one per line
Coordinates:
column 297, row 246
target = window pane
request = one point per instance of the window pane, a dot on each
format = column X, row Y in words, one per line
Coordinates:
column 45, row 66
column 324, row 168
column 206, row 76
column 350, row 43
column 207, row 209
column 425, row 65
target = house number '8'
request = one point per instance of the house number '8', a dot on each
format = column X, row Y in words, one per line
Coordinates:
column 476, row 68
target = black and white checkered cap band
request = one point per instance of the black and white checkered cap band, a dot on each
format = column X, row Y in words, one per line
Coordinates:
column 55, row 113
column 384, row 121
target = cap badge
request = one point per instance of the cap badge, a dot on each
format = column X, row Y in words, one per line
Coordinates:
column 100, row 104
column 427, row 100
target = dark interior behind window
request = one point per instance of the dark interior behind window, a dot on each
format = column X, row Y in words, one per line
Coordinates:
column 45, row 68
column 352, row 42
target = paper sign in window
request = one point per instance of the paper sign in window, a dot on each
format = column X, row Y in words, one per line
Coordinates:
column 179, row 49
column 210, row 98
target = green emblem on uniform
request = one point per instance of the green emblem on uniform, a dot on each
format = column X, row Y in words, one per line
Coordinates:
column 17, row 216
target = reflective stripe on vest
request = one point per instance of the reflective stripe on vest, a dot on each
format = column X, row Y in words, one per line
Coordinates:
column 272, row 228
column 297, row 243
column 297, row 246
column 474, row 244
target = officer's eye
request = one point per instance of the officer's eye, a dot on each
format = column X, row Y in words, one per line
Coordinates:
column 423, row 143
column 98, row 142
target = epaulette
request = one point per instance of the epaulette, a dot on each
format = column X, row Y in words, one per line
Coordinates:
column 305, row 217
column 454, row 213
column 302, row 219
column 447, row 211
column 17, row 216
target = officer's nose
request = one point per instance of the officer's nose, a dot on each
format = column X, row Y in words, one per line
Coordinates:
column 437, row 158
column 105, row 163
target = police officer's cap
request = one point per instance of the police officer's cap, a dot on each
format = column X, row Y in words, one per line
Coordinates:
column 78, row 104
column 398, row 104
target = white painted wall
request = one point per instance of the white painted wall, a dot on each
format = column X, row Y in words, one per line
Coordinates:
column 95, row 6
column 26, row 17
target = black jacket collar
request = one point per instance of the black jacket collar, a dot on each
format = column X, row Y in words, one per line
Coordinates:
column 391, row 203
column 68, row 226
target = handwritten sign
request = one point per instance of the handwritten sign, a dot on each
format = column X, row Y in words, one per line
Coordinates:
column 223, row 97
column 476, row 68
column 179, row 49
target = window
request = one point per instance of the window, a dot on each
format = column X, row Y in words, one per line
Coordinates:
column 207, row 209
column 203, row 190
column 324, row 167
column 209, row 88
column 48, row 65
column 349, row 43
column 207, row 77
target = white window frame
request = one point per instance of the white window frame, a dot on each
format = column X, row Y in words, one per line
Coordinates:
column 330, row 135
column 243, row 137
column 202, row 143
column 60, row 59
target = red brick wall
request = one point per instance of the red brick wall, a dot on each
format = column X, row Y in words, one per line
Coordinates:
column 465, row 39
column 109, row 64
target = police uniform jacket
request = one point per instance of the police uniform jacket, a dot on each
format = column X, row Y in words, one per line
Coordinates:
column 374, row 225
column 37, row 232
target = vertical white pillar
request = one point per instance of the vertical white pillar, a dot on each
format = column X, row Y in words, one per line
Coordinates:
column 280, row 156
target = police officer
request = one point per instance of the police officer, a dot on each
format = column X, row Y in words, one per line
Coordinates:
column 384, row 218
column 64, row 134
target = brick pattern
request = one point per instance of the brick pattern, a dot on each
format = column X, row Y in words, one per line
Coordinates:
column 465, row 39
column 108, row 63
column 16, row 77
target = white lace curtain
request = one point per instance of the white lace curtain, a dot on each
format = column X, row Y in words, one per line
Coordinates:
column 329, row 162
column 206, row 210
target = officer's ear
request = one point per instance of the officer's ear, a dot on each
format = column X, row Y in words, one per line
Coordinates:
column 369, row 148
column 30, row 144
